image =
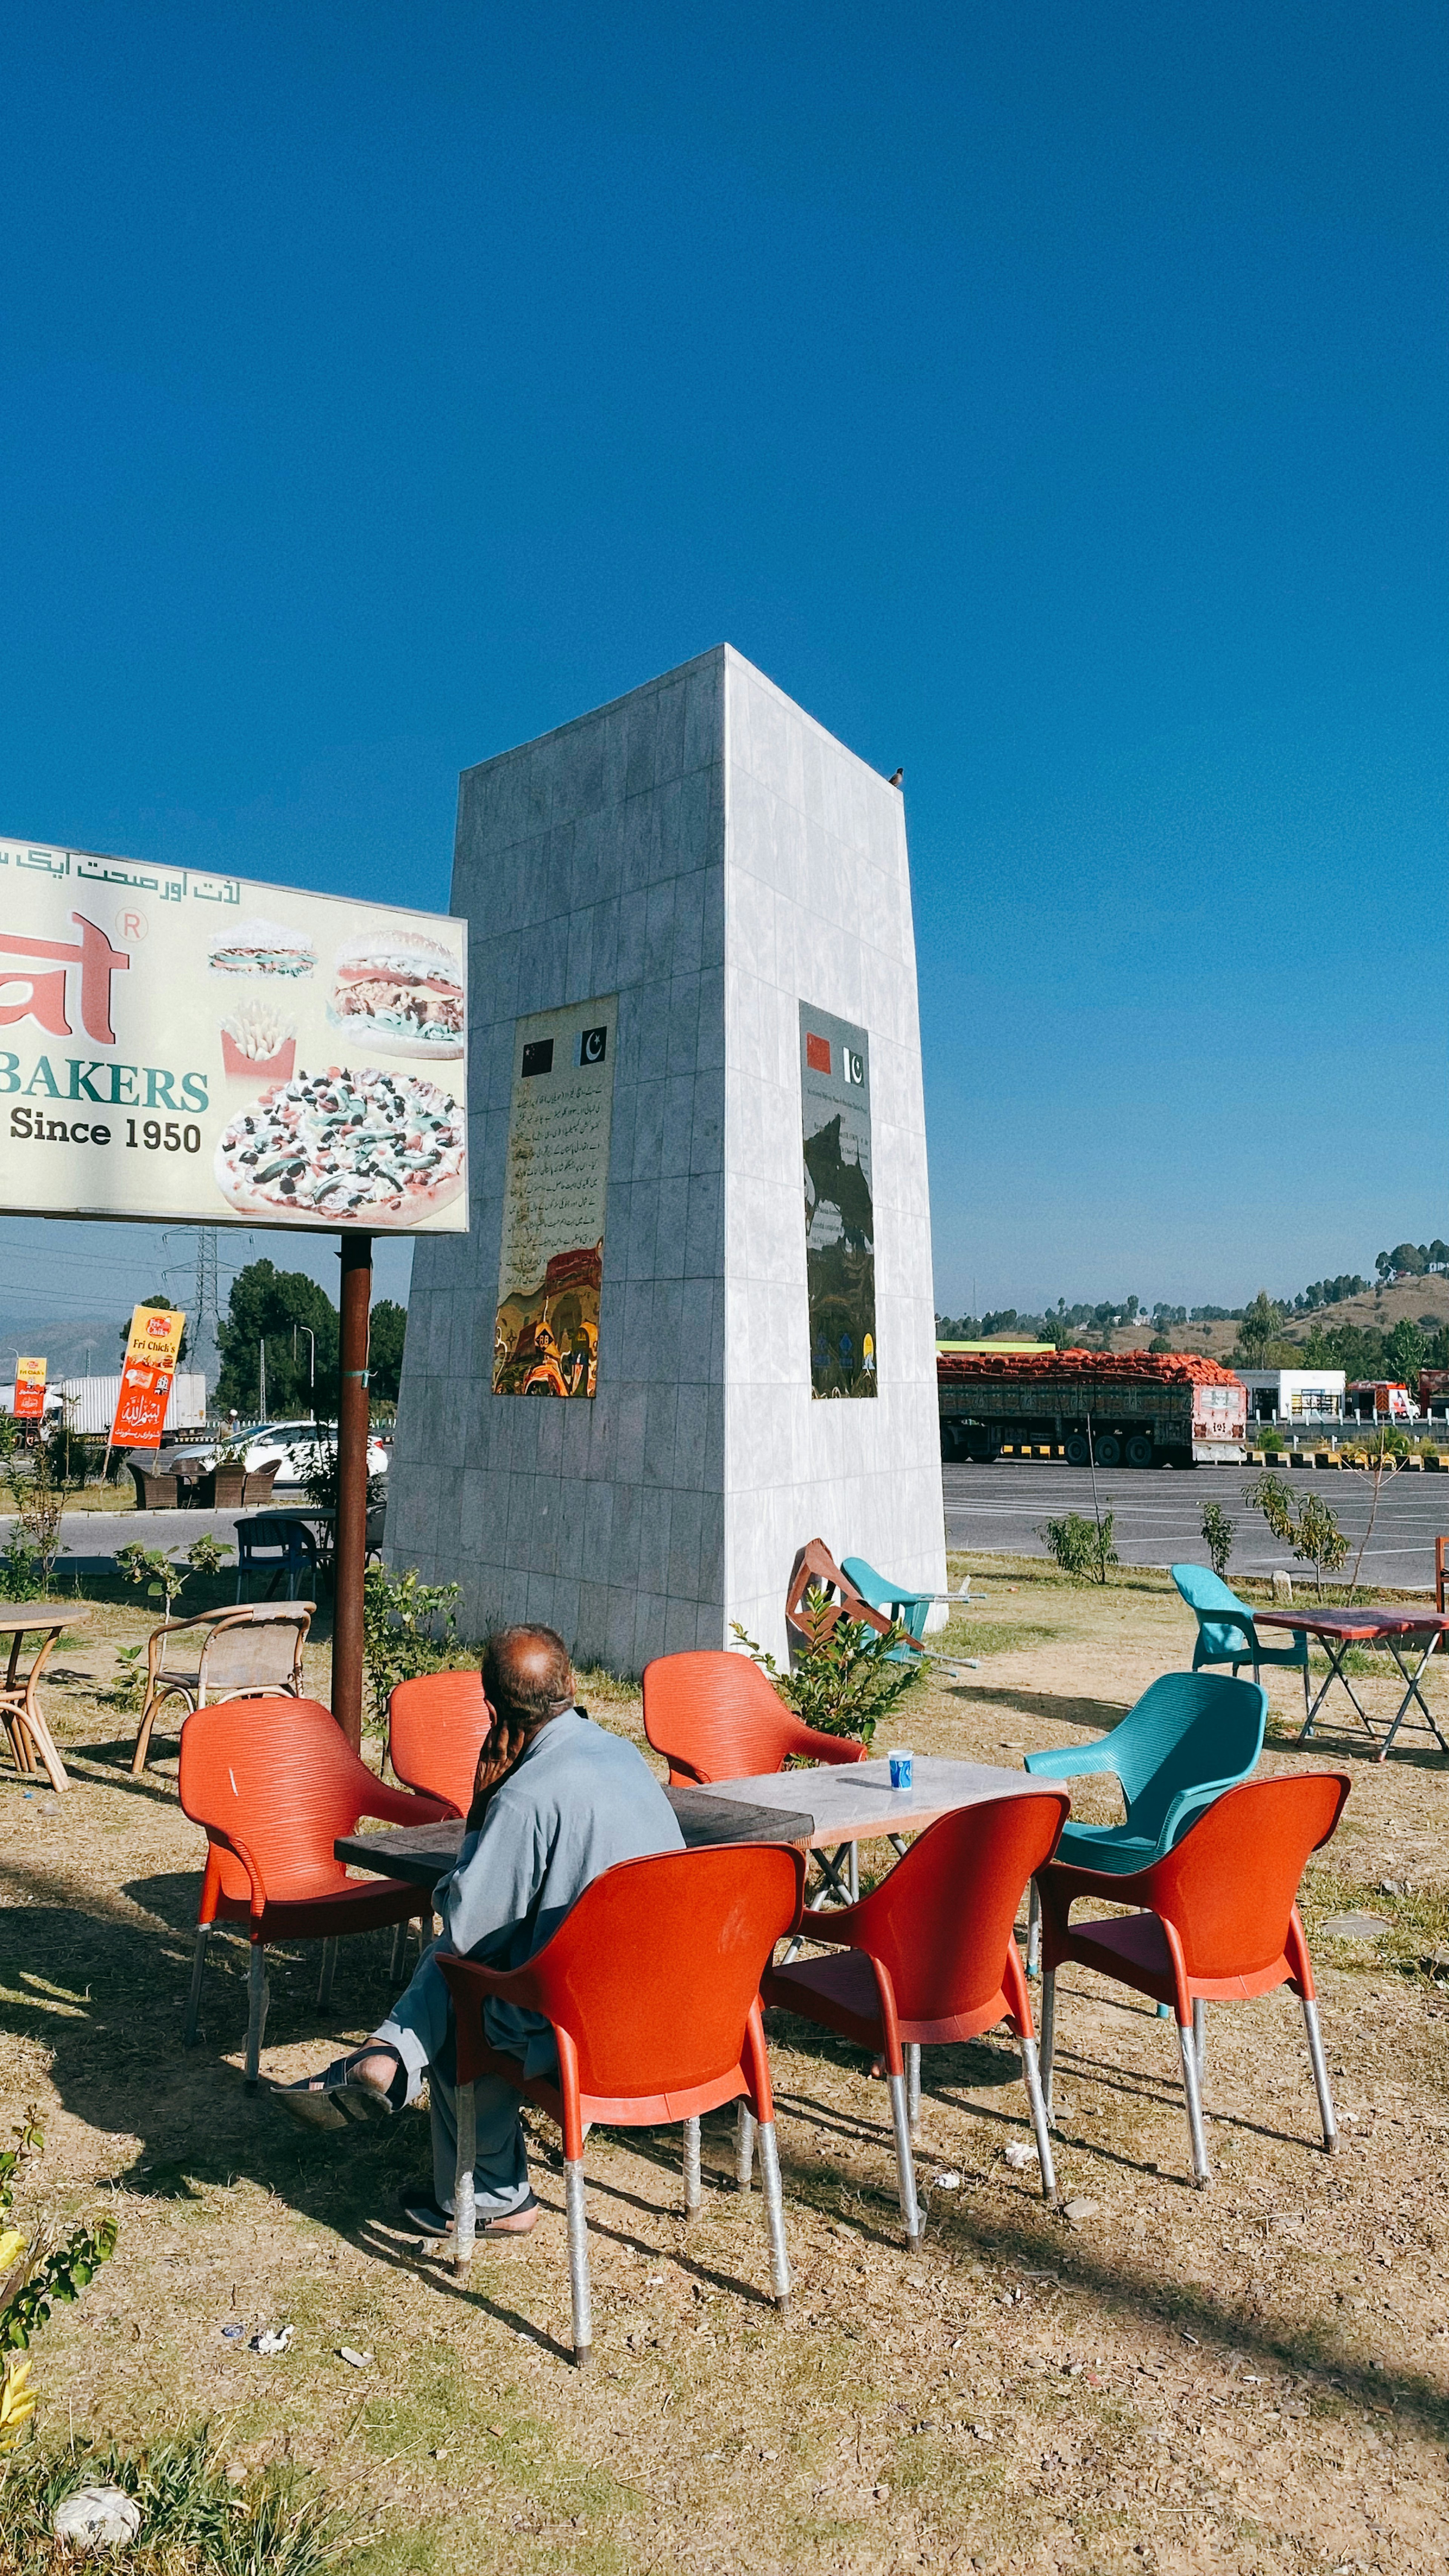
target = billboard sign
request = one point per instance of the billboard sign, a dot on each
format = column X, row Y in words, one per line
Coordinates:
column 29, row 1389
column 175, row 1045
column 153, row 1347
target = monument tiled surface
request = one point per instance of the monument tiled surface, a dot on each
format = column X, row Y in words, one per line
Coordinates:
column 706, row 852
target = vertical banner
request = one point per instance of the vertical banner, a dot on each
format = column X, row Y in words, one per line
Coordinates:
column 839, row 1213
column 551, row 1264
column 29, row 1390
column 147, row 1377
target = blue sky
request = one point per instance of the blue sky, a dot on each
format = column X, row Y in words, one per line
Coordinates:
column 1050, row 398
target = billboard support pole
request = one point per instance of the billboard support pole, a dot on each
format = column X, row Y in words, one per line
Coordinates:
column 349, row 1557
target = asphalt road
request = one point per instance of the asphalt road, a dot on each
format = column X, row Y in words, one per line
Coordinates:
column 1159, row 1512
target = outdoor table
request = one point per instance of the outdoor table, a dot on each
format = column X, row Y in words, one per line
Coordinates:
column 1337, row 1630
column 19, row 1703
column 854, row 1802
column 422, row 1854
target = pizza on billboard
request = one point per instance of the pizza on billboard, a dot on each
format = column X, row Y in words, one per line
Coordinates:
column 175, row 1045
column 148, row 1374
column 29, row 1389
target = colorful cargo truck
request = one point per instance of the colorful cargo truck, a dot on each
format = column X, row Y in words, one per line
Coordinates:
column 1138, row 1408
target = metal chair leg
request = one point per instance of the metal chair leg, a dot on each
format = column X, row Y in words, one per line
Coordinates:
column 1199, row 2034
column 258, row 1997
column 1048, row 2035
column 905, row 2163
column 394, row 1965
column 1033, row 1930
column 913, row 2085
column 465, row 2209
column 327, row 1972
column 1032, row 2079
column 1201, row 2170
column 193, row 2000
column 775, row 2216
column 744, row 2145
column 579, row 2263
column 692, row 2192
column 1320, row 2076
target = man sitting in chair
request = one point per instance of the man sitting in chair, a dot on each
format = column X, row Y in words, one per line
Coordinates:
column 556, row 1802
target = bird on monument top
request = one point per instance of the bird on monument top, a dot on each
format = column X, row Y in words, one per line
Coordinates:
column 897, row 779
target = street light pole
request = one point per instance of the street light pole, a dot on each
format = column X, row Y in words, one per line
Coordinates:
column 311, row 1363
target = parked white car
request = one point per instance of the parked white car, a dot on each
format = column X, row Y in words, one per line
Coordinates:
column 290, row 1444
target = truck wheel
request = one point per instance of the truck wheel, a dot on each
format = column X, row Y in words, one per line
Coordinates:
column 1109, row 1450
column 1139, row 1450
column 1077, row 1449
column 953, row 1444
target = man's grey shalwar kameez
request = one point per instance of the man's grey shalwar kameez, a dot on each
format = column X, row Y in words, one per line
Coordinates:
column 578, row 1801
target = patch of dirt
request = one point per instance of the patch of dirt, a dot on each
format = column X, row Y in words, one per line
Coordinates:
column 1251, row 2377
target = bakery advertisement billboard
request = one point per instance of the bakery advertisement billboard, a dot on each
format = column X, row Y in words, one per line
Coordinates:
column 177, row 1045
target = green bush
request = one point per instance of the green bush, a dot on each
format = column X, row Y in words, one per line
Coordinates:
column 408, row 1627
column 845, row 1675
column 1082, row 1548
column 1218, row 1535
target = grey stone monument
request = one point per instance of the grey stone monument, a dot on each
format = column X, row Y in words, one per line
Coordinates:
column 692, row 1325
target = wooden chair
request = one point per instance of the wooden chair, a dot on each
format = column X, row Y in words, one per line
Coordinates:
column 234, row 1654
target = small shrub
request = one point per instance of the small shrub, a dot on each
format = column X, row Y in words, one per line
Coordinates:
column 37, row 2267
column 1312, row 1532
column 1082, row 1548
column 408, row 1627
column 845, row 1676
column 1218, row 1535
column 195, row 2521
column 20, row 1573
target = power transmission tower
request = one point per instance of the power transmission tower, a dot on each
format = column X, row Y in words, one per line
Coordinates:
column 200, row 1293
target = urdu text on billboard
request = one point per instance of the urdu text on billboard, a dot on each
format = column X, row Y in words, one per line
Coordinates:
column 198, row 1047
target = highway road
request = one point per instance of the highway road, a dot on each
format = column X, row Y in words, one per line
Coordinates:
column 1159, row 1512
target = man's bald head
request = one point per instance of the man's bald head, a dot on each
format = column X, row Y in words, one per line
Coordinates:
column 527, row 1674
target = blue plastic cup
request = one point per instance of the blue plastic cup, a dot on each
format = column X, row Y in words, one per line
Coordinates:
column 901, row 1770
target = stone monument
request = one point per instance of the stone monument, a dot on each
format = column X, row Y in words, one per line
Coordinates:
column 692, row 1325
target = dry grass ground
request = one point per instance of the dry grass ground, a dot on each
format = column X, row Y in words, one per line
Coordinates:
column 1251, row 2378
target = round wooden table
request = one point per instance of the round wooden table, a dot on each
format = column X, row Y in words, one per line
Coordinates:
column 19, row 1705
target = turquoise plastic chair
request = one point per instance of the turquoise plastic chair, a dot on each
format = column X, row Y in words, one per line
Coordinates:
column 1225, row 1630
column 1189, row 1737
column 909, row 1608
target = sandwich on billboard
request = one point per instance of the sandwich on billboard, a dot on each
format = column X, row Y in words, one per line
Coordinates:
column 176, row 1045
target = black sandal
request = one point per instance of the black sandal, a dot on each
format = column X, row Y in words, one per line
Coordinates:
column 337, row 2096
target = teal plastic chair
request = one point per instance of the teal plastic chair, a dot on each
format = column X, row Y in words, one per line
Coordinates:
column 1190, row 1737
column 1225, row 1630
column 909, row 1608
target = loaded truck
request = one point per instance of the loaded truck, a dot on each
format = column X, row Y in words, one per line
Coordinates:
column 1133, row 1408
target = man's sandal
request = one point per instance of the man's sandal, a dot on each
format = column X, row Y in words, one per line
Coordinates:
column 340, row 2095
column 422, row 2213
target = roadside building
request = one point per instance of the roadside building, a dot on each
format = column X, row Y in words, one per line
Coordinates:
column 1294, row 1396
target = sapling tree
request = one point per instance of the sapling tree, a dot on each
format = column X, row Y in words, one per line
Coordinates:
column 1312, row 1531
column 1218, row 1535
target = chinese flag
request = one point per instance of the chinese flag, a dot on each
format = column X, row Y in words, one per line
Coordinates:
column 817, row 1053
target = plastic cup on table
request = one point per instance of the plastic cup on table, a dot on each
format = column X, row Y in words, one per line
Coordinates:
column 901, row 1760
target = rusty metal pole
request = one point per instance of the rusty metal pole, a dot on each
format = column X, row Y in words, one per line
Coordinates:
column 350, row 1549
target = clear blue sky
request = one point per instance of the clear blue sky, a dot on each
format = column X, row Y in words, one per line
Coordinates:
column 1051, row 398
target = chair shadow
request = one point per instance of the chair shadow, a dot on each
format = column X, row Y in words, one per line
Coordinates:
column 1053, row 1708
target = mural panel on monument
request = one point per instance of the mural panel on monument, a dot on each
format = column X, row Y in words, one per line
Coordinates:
column 551, row 1266
column 839, row 1214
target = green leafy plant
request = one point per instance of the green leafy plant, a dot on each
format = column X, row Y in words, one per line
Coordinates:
column 1218, row 1535
column 320, row 1479
column 1312, row 1530
column 845, row 1676
column 37, row 2267
column 1082, row 1548
column 408, row 1627
column 20, row 1576
column 38, row 1507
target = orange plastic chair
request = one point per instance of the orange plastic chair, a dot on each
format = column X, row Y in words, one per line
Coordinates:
column 435, row 1731
column 1220, row 1921
column 652, row 1984
column 715, row 1716
column 274, row 1783
column 930, row 1957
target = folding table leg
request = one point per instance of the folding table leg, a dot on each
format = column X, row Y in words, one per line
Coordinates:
column 465, row 2205
column 1320, row 2075
column 692, row 2193
column 1031, row 2076
column 258, row 1997
column 775, row 2216
column 1033, row 1930
column 327, row 1972
column 1201, row 2170
column 905, row 2162
column 744, row 2145
column 1048, row 2035
column 1413, row 1692
column 579, row 2263
column 198, row 1971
